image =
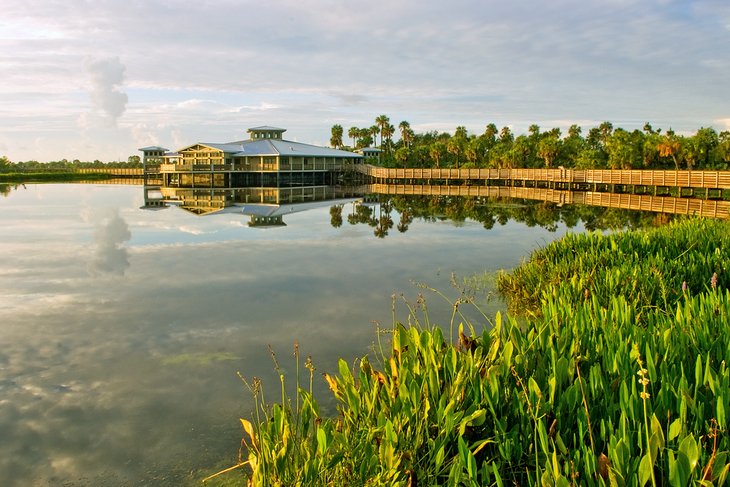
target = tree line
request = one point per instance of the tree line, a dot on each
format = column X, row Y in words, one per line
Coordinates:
column 602, row 147
column 64, row 165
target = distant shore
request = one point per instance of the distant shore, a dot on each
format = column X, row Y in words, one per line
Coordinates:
column 61, row 177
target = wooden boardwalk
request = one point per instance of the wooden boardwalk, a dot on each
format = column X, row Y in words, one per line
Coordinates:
column 557, row 178
column 124, row 181
column 115, row 171
column 660, row 204
column 582, row 179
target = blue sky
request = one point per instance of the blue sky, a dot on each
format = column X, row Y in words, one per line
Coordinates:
column 97, row 79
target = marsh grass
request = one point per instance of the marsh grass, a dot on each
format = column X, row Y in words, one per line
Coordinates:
column 650, row 268
column 627, row 384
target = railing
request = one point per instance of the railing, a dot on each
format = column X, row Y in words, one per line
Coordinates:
column 113, row 171
column 685, row 179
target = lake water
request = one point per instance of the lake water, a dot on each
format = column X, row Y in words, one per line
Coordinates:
column 122, row 329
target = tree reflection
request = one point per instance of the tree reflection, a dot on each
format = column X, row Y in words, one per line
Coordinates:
column 6, row 188
column 336, row 216
column 405, row 220
column 376, row 211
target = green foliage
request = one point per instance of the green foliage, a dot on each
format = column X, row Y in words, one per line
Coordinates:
column 62, row 166
column 648, row 268
column 603, row 147
column 608, row 390
column 53, row 176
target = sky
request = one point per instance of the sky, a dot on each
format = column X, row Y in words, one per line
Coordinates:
column 98, row 79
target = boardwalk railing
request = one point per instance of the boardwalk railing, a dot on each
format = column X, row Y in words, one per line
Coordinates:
column 113, row 171
column 570, row 177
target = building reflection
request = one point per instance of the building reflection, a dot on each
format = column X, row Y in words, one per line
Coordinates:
column 265, row 206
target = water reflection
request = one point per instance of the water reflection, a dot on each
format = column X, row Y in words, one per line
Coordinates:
column 373, row 205
column 6, row 188
column 126, row 375
column 109, row 254
column 265, row 206
column 705, row 207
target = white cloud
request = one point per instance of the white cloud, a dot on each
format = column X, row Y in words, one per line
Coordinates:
column 303, row 65
column 107, row 75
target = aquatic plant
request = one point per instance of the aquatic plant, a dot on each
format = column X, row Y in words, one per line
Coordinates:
column 649, row 268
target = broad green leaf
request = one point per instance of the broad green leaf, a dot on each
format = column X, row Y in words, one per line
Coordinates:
column 720, row 408
column 543, row 437
column 645, row 468
column 674, row 429
column 507, row 354
column 476, row 418
column 497, row 477
column 321, row 441
column 657, row 436
column 439, row 459
column 688, row 447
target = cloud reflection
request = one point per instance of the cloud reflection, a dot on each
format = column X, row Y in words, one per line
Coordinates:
column 134, row 382
column 110, row 256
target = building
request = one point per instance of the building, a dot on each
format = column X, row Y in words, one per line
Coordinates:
column 370, row 153
column 265, row 159
column 153, row 154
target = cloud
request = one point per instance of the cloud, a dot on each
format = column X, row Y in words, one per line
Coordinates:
column 106, row 77
column 110, row 256
column 303, row 66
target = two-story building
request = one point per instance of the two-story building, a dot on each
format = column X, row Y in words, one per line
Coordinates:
column 265, row 159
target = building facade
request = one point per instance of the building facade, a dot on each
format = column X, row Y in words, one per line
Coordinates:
column 265, row 159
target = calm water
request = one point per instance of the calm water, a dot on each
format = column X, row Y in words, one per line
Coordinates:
column 122, row 329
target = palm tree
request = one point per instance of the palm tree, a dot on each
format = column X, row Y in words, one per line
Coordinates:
column 455, row 146
column 386, row 134
column 505, row 135
column 404, row 128
column 382, row 121
column 548, row 148
column 436, row 151
column 364, row 138
column 457, row 143
column 671, row 146
column 374, row 131
column 490, row 132
column 605, row 130
column 353, row 134
column 408, row 137
column 336, row 139
column 574, row 131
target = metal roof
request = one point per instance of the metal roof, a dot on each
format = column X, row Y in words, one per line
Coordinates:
column 290, row 148
column 152, row 147
column 275, row 147
column 268, row 128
